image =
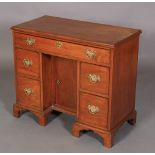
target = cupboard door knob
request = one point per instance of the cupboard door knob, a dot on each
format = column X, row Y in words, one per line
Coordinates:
column 30, row 41
column 93, row 78
column 27, row 62
column 28, row 91
column 92, row 109
column 58, row 44
column 90, row 53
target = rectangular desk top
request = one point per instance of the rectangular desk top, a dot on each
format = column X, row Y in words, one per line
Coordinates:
column 76, row 31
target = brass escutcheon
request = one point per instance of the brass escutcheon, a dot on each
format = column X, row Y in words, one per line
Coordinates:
column 93, row 78
column 27, row 62
column 58, row 44
column 28, row 91
column 30, row 41
column 90, row 53
column 58, row 82
column 92, row 109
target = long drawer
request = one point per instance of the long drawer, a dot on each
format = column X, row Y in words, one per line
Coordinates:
column 84, row 53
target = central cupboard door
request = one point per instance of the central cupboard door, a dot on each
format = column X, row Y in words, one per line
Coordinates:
column 66, row 84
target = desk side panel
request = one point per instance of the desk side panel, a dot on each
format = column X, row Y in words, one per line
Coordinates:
column 125, row 58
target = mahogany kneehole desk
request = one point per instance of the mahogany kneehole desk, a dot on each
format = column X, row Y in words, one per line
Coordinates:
column 84, row 69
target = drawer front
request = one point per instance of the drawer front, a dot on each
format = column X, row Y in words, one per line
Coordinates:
column 93, row 110
column 27, row 62
column 84, row 53
column 94, row 78
column 28, row 92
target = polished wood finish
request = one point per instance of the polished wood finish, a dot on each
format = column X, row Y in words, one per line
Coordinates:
column 93, row 34
column 66, row 84
column 30, row 70
column 84, row 69
column 101, row 86
column 47, row 85
column 106, row 135
column 100, row 118
column 34, row 98
column 124, row 81
column 49, row 47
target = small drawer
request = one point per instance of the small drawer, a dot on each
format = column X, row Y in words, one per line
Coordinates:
column 27, row 62
column 28, row 92
column 93, row 110
column 94, row 78
column 79, row 52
